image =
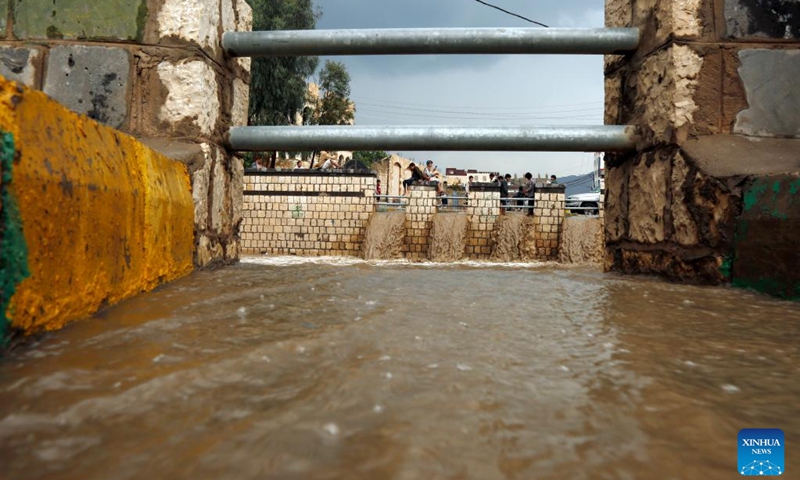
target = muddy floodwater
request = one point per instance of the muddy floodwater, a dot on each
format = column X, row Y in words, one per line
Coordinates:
column 279, row 369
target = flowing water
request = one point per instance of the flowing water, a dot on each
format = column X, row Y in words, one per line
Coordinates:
column 385, row 236
column 295, row 369
column 448, row 237
column 510, row 237
column 582, row 240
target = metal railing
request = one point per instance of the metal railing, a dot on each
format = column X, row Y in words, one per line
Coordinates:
column 422, row 41
column 388, row 202
column 452, row 203
column 605, row 138
column 511, row 203
column 601, row 41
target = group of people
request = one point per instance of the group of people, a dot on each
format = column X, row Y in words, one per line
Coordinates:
column 523, row 196
column 329, row 164
column 428, row 174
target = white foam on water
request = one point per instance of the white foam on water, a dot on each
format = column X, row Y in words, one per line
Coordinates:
column 731, row 388
column 331, row 429
column 288, row 261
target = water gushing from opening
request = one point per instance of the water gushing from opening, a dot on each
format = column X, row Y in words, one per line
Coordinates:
column 582, row 241
column 448, row 237
column 385, row 236
column 509, row 233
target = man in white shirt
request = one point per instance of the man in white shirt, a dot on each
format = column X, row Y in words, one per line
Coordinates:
column 433, row 175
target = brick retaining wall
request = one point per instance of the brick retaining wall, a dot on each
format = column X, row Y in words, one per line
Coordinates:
column 306, row 212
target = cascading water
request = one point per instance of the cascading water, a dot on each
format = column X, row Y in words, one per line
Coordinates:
column 510, row 235
column 582, row 241
column 448, row 237
column 385, row 236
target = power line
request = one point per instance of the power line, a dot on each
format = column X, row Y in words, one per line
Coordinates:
column 497, row 118
column 512, row 13
column 465, row 112
column 358, row 100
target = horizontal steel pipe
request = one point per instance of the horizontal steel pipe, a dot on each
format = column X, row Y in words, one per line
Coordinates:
column 555, row 139
column 398, row 41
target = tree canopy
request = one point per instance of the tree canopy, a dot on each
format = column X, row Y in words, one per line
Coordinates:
column 335, row 107
column 369, row 157
column 278, row 84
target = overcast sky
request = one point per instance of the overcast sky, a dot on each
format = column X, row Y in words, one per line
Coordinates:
column 474, row 90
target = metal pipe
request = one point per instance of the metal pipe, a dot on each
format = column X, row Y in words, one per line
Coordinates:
column 409, row 138
column 408, row 41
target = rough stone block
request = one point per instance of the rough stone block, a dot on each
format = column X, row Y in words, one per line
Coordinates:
column 648, row 186
column 221, row 205
column 200, row 186
column 661, row 93
column 773, row 93
column 21, row 64
column 683, row 224
column 79, row 19
column 759, row 18
column 192, row 97
column 94, row 81
column 192, row 21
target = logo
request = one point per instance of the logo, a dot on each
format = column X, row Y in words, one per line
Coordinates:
column 761, row 451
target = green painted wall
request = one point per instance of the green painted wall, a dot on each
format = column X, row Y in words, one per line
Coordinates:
column 768, row 237
column 73, row 19
column 3, row 18
column 13, row 249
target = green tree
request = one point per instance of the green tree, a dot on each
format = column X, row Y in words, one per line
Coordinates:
column 278, row 84
column 335, row 107
column 369, row 157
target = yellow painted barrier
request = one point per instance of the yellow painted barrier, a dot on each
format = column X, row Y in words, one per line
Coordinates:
column 103, row 216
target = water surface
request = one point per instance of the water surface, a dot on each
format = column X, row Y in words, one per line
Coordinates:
column 284, row 369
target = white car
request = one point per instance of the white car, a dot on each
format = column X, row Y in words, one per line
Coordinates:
column 586, row 203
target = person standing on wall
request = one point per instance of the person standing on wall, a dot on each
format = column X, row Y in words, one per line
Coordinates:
column 530, row 191
column 504, row 191
column 378, row 190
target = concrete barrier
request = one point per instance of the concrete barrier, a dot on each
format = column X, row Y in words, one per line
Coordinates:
column 89, row 215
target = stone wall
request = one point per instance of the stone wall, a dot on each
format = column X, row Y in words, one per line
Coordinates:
column 314, row 212
column 306, row 212
column 151, row 68
column 483, row 210
column 421, row 207
column 713, row 88
column 548, row 220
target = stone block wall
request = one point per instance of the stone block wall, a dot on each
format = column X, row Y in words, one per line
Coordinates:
column 548, row 221
column 421, row 207
column 483, row 209
column 306, row 212
column 151, row 68
column 713, row 88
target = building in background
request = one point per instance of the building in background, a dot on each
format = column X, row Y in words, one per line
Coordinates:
column 457, row 176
